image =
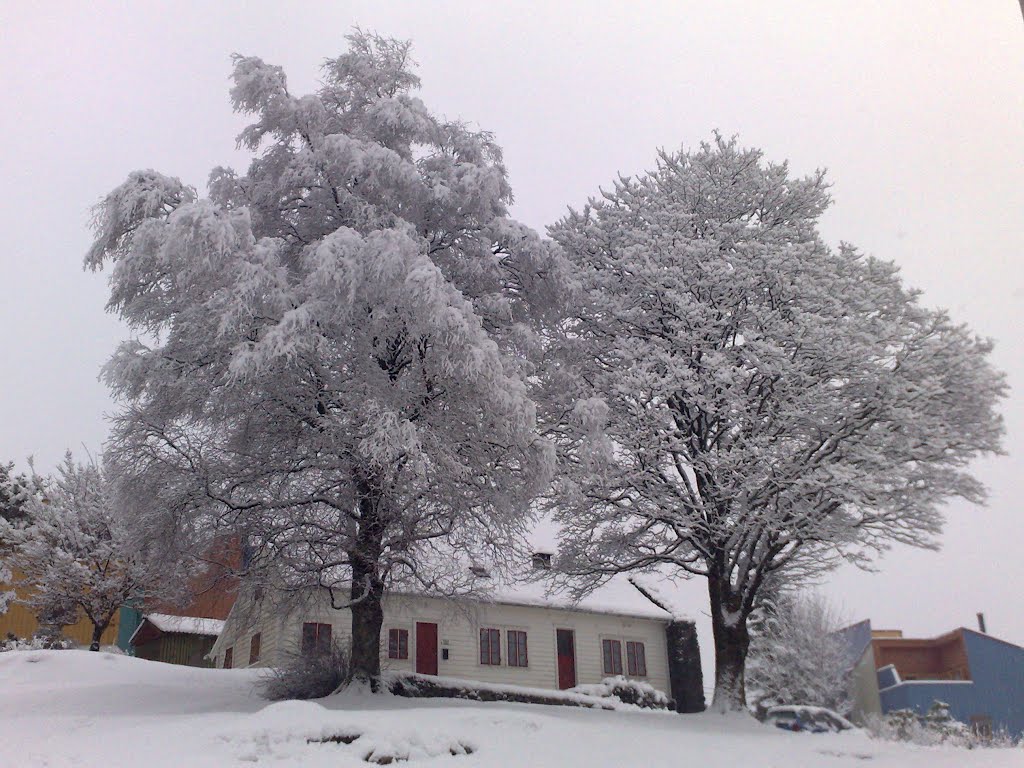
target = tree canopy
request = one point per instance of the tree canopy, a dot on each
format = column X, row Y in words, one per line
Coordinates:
column 746, row 400
column 337, row 346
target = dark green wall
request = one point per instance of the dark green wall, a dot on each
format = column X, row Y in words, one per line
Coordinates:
column 188, row 650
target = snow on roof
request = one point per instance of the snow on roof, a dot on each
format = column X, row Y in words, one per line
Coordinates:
column 618, row 596
column 189, row 625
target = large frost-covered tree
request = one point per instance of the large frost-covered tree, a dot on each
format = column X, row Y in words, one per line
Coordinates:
column 747, row 400
column 339, row 339
column 77, row 552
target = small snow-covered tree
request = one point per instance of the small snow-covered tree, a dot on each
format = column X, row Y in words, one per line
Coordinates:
column 799, row 656
column 77, row 554
column 746, row 400
column 15, row 492
column 340, row 363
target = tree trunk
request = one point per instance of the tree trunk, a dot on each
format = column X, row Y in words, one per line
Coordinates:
column 97, row 633
column 367, row 589
column 732, row 640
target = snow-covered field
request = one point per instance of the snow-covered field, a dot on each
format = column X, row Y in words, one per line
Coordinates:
column 73, row 708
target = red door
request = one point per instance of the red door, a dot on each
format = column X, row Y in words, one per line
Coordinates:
column 565, row 642
column 426, row 648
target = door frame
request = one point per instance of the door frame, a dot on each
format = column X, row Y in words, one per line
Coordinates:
column 416, row 645
column 575, row 657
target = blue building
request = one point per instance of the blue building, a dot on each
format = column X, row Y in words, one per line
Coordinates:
column 980, row 677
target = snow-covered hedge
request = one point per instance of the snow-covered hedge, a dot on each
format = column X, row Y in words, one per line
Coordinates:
column 613, row 693
column 627, row 691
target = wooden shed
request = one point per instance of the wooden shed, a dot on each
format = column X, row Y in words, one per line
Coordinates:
column 176, row 639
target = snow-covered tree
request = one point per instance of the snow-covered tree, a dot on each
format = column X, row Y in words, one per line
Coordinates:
column 77, row 554
column 15, row 492
column 799, row 656
column 338, row 366
column 747, row 400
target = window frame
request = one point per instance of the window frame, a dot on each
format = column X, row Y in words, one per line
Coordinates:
column 400, row 634
column 255, row 647
column 614, row 644
column 321, row 639
column 517, row 656
column 493, row 647
column 636, row 665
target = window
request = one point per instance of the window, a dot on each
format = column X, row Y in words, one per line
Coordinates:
column 611, row 654
column 254, row 648
column 542, row 561
column 516, row 648
column 316, row 638
column 490, row 647
column 636, row 659
column 398, row 643
column 228, row 657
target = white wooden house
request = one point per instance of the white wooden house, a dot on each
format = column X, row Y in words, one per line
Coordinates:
column 519, row 636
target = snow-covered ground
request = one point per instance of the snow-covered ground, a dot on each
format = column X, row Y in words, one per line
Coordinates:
column 74, row 708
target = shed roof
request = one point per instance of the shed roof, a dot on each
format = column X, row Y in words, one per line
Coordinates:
column 181, row 625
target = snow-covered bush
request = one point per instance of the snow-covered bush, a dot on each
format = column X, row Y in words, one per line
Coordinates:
column 627, row 691
column 934, row 728
column 798, row 656
column 309, row 676
column 35, row 643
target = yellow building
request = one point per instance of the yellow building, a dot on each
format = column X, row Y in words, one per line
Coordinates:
column 21, row 622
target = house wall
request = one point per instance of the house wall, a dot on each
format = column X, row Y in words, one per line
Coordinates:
column 997, row 669
column 189, row 650
column 866, row 701
column 919, row 695
column 459, row 627
column 941, row 658
column 129, row 619
column 247, row 618
column 996, row 689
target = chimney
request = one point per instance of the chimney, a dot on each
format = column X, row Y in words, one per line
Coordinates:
column 981, row 623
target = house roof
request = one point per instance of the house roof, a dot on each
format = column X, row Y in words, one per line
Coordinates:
column 182, row 625
column 619, row 596
column 622, row 594
column 856, row 634
column 857, row 638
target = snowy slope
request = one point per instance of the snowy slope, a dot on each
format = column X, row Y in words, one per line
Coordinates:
column 74, row 708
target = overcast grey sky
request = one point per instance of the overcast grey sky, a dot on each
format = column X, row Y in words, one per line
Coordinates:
column 916, row 107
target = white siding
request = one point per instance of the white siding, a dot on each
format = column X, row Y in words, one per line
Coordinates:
column 242, row 623
column 459, row 627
